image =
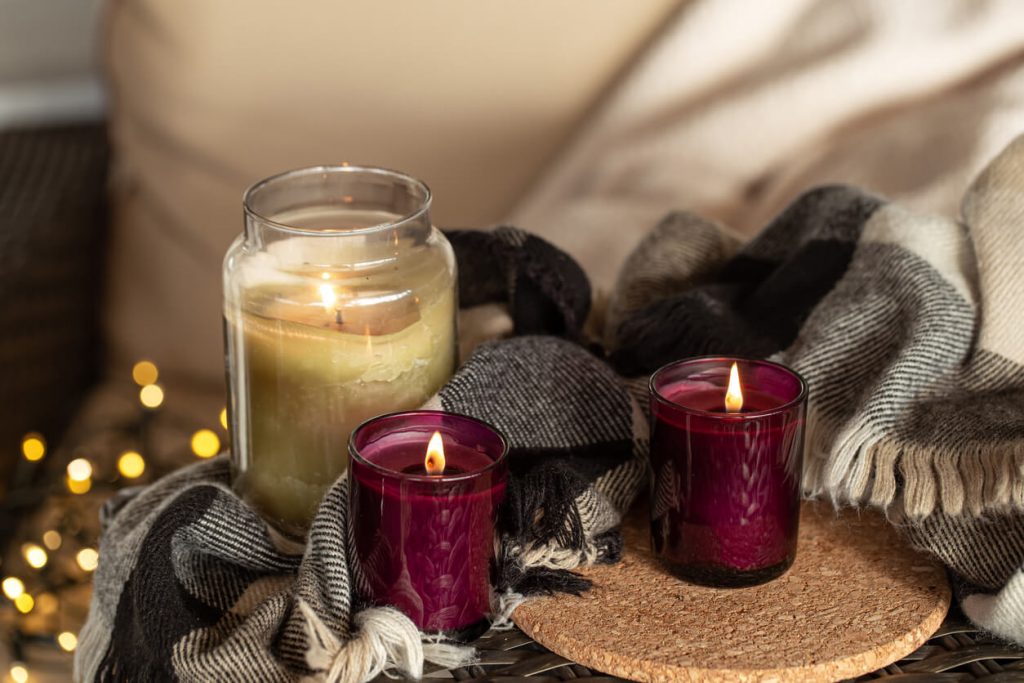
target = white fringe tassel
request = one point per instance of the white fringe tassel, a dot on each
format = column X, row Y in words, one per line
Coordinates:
column 858, row 464
column 386, row 641
column 503, row 606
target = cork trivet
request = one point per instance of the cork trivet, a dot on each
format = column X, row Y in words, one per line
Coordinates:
column 855, row 600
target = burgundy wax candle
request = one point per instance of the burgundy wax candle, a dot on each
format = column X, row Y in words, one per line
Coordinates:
column 725, row 498
column 424, row 543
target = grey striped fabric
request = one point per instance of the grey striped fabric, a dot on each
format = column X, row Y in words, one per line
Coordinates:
column 905, row 326
column 193, row 586
column 913, row 354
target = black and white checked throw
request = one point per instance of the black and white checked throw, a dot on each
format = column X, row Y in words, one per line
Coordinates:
column 191, row 586
column 905, row 326
column 908, row 329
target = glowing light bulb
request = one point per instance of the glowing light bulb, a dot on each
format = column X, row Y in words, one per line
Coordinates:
column 79, row 469
column 34, row 555
column 24, row 603
column 88, row 559
column 68, row 641
column 78, row 487
column 151, row 396
column 19, row 673
column 33, row 446
column 224, row 418
column 12, row 587
column 131, row 465
column 52, row 539
column 145, row 372
column 205, row 443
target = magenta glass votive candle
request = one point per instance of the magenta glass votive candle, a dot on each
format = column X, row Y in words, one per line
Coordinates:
column 423, row 537
column 725, row 498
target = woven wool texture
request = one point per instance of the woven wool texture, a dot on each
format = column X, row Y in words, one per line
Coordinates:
column 906, row 327
column 192, row 587
column 903, row 324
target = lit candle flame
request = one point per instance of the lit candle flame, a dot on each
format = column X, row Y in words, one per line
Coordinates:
column 734, row 394
column 434, row 462
column 328, row 297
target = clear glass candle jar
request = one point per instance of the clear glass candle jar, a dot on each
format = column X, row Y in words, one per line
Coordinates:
column 339, row 305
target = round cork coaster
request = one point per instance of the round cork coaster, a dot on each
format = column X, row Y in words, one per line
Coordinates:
column 855, row 600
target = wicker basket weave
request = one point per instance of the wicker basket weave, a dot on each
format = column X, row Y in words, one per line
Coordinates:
column 52, row 218
column 957, row 652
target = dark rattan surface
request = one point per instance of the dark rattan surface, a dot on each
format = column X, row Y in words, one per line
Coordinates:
column 957, row 652
column 52, row 217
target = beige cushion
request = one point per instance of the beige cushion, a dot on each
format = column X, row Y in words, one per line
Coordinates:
column 741, row 105
column 208, row 96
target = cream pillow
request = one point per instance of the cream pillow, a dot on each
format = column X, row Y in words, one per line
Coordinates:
column 208, row 96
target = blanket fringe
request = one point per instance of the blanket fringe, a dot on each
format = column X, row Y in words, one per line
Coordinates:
column 853, row 465
column 502, row 606
column 386, row 641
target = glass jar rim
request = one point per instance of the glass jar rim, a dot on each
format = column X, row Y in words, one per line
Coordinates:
column 800, row 397
column 355, row 455
column 249, row 197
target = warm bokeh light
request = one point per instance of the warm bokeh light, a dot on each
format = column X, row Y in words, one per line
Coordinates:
column 19, row 673
column 33, row 446
column 47, row 603
column 205, row 443
column 79, row 469
column 144, row 372
column 52, row 539
column 34, row 555
column 224, row 418
column 24, row 603
column 151, row 395
column 78, row 487
column 131, row 465
column 12, row 587
column 87, row 559
column 328, row 297
column 68, row 641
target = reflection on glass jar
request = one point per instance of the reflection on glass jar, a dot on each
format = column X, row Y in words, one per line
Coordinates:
column 339, row 305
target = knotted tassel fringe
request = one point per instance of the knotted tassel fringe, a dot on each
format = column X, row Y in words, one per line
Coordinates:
column 386, row 641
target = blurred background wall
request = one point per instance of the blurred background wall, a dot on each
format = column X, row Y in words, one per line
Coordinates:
column 48, row 61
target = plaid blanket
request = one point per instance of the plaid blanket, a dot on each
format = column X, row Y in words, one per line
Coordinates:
column 903, row 325
column 191, row 586
column 907, row 329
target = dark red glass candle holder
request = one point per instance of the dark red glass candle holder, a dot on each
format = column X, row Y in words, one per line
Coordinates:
column 425, row 543
column 725, row 497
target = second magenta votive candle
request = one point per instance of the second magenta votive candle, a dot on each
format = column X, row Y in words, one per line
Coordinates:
column 424, row 542
column 725, row 496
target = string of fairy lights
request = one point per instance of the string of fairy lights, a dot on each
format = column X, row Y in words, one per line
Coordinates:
column 48, row 563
